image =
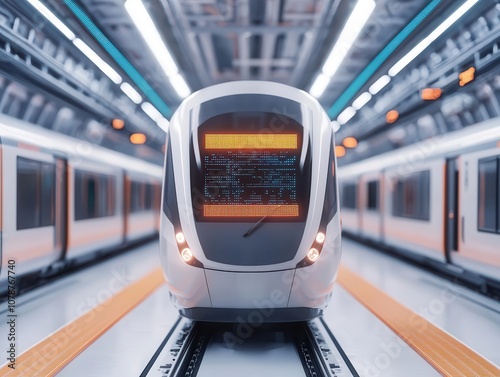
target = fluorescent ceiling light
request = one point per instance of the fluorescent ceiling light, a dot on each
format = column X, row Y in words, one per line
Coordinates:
column 380, row 84
column 180, row 85
column 131, row 93
column 151, row 111
column 367, row 73
column 357, row 20
column 319, row 85
column 346, row 115
column 335, row 125
column 146, row 26
column 163, row 123
column 417, row 50
column 152, row 37
column 53, row 19
column 361, row 100
column 119, row 58
column 97, row 60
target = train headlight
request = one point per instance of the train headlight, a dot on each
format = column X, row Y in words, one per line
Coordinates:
column 320, row 237
column 185, row 252
column 187, row 255
column 313, row 254
column 180, row 238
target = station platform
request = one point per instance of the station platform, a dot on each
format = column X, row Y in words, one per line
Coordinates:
column 389, row 317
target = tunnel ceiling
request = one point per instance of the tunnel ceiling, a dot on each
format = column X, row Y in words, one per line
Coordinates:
column 215, row 41
column 287, row 41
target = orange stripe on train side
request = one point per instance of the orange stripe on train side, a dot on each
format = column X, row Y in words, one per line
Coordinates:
column 446, row 354
column 53, row 353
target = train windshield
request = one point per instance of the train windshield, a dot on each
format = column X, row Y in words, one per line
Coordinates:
column 250, row 167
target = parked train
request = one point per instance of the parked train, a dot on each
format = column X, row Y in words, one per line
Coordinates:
column 250, row 229
column 438, row 200
column 64, row 201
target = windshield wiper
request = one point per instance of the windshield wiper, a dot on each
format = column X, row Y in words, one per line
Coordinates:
column 256, row 225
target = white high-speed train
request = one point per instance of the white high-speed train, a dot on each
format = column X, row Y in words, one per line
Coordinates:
column 438, row 200
column 64, row 201
column 250, row 228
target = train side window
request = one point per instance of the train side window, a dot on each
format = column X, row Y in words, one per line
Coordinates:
column 141, row 196
column 94, row 195
column 149, row 200
column 488, row 195
column 135, row 197
column 35, row 193
column 109, row 205
column 90, row 185
column 106, row 202
column 372, row 195
column 349, row 196
column 411, row 196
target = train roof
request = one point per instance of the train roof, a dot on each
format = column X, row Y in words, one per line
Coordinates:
column 26, row 133
column 480, row 136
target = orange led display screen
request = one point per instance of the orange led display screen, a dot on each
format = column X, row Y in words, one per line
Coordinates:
column 251, row 141
column 251, row 210
column 251, row 167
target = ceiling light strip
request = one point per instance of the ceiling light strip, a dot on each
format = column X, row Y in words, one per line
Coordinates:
column 52, row 18
column 98, row 61
column 427, row 41
column 380, row 84
column 355, row 23
column 153, row 39
column 131, row 93
column 319, row 85
column 180, row 85
column 346, row 115
column 380, row 59
column 120, row 59
column 361, row 101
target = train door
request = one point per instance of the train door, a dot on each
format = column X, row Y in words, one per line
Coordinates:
column 371, row 215
column 451, row 207
column 381, row 209
column 61, row 208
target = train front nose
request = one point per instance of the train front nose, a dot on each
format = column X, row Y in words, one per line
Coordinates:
column 248, row 290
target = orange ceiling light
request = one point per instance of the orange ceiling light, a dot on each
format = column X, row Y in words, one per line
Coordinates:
column 118, row 124
column 431, row 94
column 138, row 138
column 467, row 76
column 350, row 142
column 339, row 151
column 251, row 141
column 392, row 116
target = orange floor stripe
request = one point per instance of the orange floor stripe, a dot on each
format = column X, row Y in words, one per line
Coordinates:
column 53, row 353
column 446, row 354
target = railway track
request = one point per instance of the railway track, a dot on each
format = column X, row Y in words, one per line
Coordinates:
column 208, row 349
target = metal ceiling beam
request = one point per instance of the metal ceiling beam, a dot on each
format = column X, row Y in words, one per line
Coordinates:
column 207, row 47
column 186, row 37
column 281, row 63
column 243, row 18
column 269, row 39
column 251, row 29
